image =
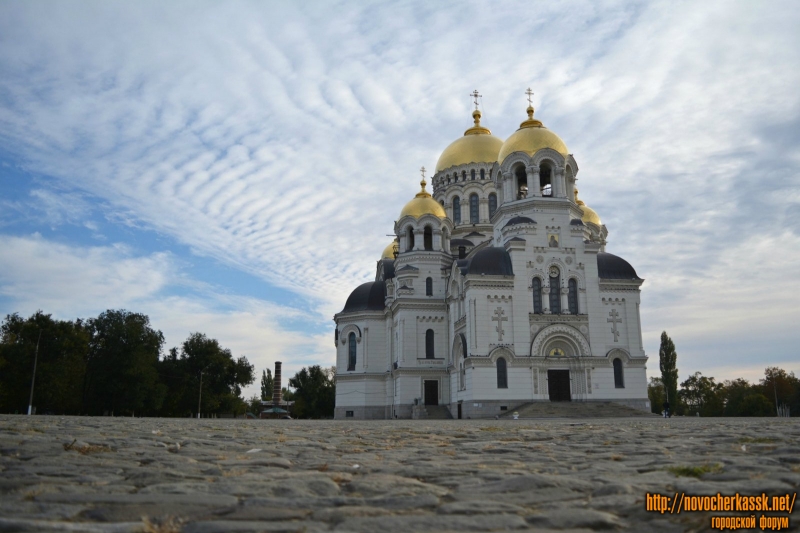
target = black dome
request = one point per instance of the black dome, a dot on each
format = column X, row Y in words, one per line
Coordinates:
column 609, row 266
column 520, row 220
column 492, row 261
column 367, row 297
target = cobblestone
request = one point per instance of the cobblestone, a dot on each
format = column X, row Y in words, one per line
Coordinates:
column 210, row 475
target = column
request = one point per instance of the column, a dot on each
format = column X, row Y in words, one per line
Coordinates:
column 534, row 181
column 559, row 180
column 564, row 301
column 419, row 239
column 437, row 239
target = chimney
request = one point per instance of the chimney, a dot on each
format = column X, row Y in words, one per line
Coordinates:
column 276, row 387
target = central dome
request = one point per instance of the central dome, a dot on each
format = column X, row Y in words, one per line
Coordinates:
column 423, row 204
column 478, row 145
column 531, row 137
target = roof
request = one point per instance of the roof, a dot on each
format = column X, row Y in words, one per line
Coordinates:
column 370, row 296
column 491, row 261
column 460, row 242
column 519, row 220
column 388, row 268
column 609, row 266
column 576, row 222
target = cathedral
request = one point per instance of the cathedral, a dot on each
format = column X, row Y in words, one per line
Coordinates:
column 496, row 292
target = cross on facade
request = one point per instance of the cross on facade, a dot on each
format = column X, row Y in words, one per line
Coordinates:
column 529, row 93
column 475, row 95
column 614, row 321
column 499, row 318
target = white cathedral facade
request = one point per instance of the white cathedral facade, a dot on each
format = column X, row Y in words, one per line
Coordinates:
column 497, row 292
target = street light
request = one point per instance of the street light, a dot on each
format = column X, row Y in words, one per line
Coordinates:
column 200, row 395
column 33, row 378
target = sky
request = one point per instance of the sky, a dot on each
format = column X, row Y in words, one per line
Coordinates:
column 236, row 168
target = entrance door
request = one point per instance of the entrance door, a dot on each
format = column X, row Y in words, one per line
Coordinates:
column 432, row 392
column 459, row 410
column 558, row 385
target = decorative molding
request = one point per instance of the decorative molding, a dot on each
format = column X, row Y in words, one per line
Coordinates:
column 556, row 330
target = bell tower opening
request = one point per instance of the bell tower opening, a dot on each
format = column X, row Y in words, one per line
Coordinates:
column 546, row 180
column 521, row 179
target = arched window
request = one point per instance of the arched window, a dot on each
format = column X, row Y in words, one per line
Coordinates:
column 351, row 359
column 472, row 173
column 483, row 174
column 462, row 252
column 555, row 291
column 456, row 210
column 522, row 182
column 464, row 175
column 463, row 377
column 573, row 296
column 409, row 239
column 427, row 238
column 429, row 344
column 429, row 287
column 473, row 208
column 545, row 180
column 492, row 204
column 502, row 374
column 537, row 296
column 619, row 381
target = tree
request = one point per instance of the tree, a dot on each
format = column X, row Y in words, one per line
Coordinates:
column 315, row 393
column 669, row 372
column 122, row 365
column 701, row 395
column 267, row 385
column 655, row 393
column 781, row 386
column 60, row 367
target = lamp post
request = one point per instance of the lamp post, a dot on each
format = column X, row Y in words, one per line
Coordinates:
column 200, row 395
column 33, row 378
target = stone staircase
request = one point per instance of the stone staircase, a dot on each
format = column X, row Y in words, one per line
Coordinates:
column 430, row 412
column 575, row 410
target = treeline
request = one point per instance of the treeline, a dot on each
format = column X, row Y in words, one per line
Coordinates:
column 701, row 395
column 314, row 393
column 113, row 365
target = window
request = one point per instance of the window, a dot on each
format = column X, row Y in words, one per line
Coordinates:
column 409, row 239
column 429, row 344
column 545, row 180
column 351, row 359
column 522, row 182
column 462, row 252
column 457, row 210
column 492, row 204
column 473, row 208
column 619, row 382
column 427, row 238
column 483, row 174
column 573, row 296
column 537, row 296
column 472, row 173
column 464, row 176
column 463, row 377
column 348, row 414
column 429, row 287
column 502, row 374
column 555, row 291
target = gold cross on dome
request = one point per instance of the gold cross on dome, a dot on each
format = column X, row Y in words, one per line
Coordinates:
column 529, row 93
column 475, row 95
column 422, row 171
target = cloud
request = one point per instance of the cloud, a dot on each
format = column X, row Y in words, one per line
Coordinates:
column 284, row 139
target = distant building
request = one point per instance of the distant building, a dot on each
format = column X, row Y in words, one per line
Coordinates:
column 497, row 291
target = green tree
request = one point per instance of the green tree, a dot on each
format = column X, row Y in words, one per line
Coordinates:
column 701, row 395
column 267, row 385
column 777, row 383
column 655, row 393
column 734, row 392
column 315, row 393
column 669, row 372
column 122, row 365
column 222, row 377
column 756, row 404
column 60, row 367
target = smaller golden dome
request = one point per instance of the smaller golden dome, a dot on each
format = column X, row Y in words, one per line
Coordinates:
column 589, row 214
column 531, row 137
column 478, row 145
column 391, row 251
column 423, row 204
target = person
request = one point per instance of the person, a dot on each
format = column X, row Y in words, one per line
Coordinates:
column 666, row 409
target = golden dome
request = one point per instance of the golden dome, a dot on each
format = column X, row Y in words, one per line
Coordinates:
column 423, row 204
column 478, row 145
column 589, row 214
column 390, row 251
column 531, row 137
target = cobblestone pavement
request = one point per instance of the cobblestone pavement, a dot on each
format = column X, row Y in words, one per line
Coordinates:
column 214, row 475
